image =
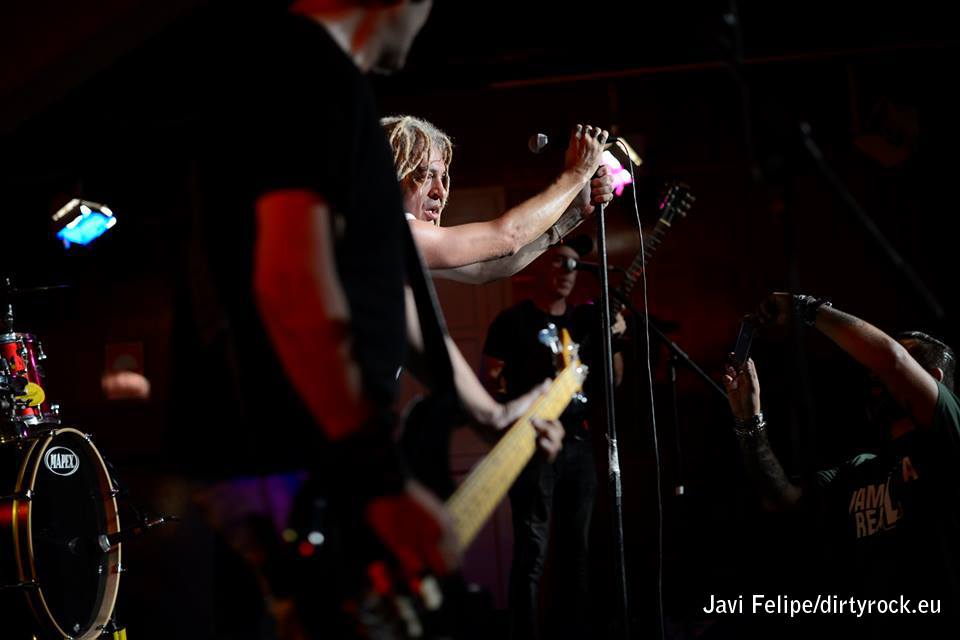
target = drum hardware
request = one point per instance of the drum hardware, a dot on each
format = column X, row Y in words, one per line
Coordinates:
column 19, row 585
column 21, row 358
column 60, row 514
column 61, row 492
column 113, row 630
column 108, row 542
column 20, row 496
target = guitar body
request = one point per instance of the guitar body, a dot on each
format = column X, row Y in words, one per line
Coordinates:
column 425, row 441
column 336, row 593
column 344, row 581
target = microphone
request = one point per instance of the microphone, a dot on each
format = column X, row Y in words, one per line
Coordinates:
column 539, row 142
column 105, row 543
column 572, row 264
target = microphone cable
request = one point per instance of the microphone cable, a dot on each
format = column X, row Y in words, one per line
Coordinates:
column 653, row 413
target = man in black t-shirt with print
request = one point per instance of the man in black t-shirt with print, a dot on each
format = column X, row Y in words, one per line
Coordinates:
column 891, row 519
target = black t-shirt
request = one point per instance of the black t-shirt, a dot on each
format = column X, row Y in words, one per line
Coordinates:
column 284, row 108
column 513, row 338
column 895, row 517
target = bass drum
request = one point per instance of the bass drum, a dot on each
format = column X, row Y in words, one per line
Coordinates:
column 56, row 581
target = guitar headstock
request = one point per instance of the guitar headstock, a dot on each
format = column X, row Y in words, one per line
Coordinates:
column 550, row 339
column 677, row 200
column 566, row 352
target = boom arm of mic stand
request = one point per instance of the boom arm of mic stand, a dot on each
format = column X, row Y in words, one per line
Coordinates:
column 674, row 347
column 868, row 224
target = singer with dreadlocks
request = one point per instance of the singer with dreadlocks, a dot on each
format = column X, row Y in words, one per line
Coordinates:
column 479, row 252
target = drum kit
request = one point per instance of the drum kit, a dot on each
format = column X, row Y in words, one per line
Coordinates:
column 59, row 524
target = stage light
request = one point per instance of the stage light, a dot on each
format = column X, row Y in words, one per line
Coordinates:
column 81, row 222
column 621, row 176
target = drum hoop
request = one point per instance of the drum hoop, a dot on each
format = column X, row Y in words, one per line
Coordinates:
column 7, row 338
column 24, row 529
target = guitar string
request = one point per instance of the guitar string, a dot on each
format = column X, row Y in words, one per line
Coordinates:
column 469, row 498
column 471, row 508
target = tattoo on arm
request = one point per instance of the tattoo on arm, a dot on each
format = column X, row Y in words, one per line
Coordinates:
column 843, row 318
column 776, row 490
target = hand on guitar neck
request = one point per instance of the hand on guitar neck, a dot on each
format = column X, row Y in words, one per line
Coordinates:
column 549, row 432
column 414, row 524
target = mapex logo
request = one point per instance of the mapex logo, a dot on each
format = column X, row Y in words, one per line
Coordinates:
column 61, row 461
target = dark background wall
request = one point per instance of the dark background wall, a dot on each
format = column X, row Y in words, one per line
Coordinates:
column 875, row 86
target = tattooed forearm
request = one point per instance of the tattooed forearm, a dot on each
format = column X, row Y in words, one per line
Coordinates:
column 776, row 491
column 843, row 318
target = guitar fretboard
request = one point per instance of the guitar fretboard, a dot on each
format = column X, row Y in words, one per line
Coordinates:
column 479, row 494
column 650, row 246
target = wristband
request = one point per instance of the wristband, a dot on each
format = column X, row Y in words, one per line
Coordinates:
column 751, row 427
column 808, row 306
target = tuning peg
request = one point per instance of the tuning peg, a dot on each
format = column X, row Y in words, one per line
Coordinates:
column 430, row 593
column 408, row 615
column 581, row 373
column 549, row 338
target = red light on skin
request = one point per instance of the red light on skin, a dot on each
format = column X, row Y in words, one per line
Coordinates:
column 306, row 549
column 380, row 578
column 621, row 176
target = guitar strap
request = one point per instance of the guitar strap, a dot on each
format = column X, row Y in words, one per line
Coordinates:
column 432, row 325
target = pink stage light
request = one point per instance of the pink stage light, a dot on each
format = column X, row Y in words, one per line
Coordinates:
column 621, row 176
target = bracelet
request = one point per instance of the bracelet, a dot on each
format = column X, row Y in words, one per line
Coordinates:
column 555, row 235
column 808, row 306
column 751, row 427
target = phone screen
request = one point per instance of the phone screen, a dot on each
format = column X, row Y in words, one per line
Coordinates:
column 741, row 350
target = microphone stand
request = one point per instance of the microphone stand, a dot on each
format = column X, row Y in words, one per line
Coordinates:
column 613, row 454
column 869, row 226
column 677, row 356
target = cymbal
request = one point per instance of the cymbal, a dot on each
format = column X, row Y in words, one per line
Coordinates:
column 8, row 290
column 35, row 290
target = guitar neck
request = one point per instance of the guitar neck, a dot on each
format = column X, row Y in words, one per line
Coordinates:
column 479, row 494
column 650, row 246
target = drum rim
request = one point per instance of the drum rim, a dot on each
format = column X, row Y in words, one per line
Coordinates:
column 23, row 530
column 14, row 336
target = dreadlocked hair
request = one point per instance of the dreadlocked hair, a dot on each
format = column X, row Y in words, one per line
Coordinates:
column 411, row 140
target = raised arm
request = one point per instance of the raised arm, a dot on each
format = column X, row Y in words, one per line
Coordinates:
column 776, row 491
column 456, row 246
column 599, row 191
column 913, row 387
